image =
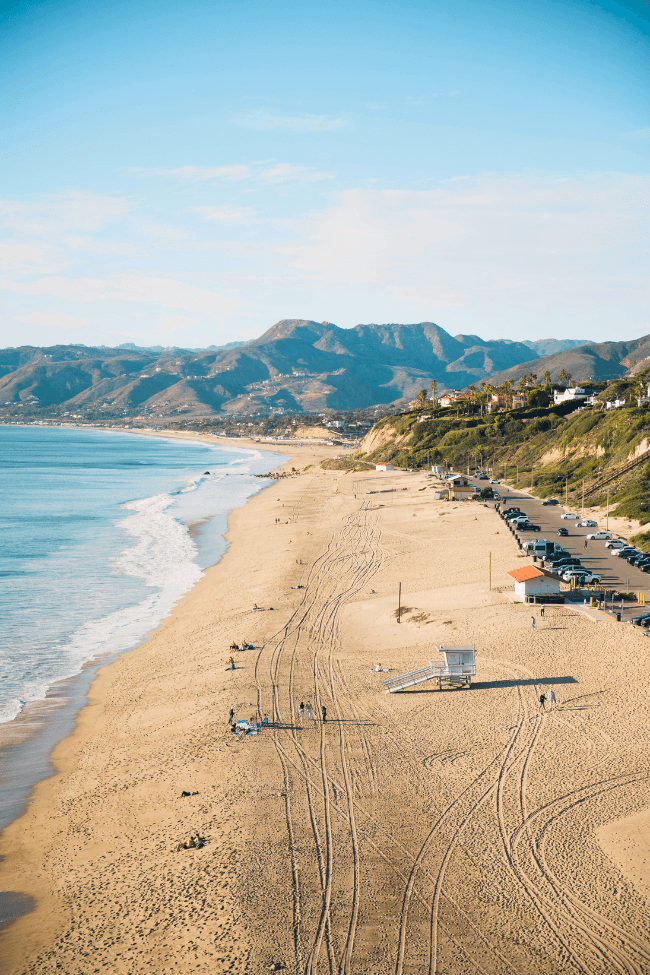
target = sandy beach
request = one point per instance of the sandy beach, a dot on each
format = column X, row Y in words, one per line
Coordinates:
column 431, row 831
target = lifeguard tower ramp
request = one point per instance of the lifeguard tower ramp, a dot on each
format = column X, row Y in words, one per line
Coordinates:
column 457, row 670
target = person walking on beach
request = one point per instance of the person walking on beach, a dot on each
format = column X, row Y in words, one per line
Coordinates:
column 542, row 701
column 532, row 623
column 308, row 711
column 586, row 543
column 541, row 612
column 231, row 716
column 324, row 712
column 551, row 699
column 301, row 710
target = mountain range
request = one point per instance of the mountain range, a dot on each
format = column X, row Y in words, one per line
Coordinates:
column 297, row 365
column 592, row 361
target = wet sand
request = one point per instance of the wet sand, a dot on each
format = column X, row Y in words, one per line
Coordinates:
column 455, row 831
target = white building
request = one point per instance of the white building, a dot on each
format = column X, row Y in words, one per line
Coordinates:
column 438, row 469
column 573, row 392
column 614, row 404
column 529, row 581
column 384, row 467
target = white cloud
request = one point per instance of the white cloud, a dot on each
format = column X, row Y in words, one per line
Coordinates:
column 297, row 123
column 29, row 256
column 235, row 172
column 93, row 246
column 55, row 319
column 278, row 173
column 285, row 173
column 226, row 214
column 484, row 242
column 161, row 292
column 66, row 212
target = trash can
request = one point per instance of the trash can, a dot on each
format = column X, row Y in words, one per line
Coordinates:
column 618, row 617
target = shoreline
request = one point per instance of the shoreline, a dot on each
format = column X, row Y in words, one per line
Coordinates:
column 98, row 846
column 28, row 740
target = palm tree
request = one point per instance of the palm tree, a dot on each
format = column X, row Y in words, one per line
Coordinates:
column 565, row 377
column 422, row 397
column 546, row 378
column 433, row 385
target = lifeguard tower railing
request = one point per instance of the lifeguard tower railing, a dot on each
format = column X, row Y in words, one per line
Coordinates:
column 457, row 670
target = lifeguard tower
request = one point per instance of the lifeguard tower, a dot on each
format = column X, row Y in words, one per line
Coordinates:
column 457, row 670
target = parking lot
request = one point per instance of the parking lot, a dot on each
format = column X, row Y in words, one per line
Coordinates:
column 615, row 573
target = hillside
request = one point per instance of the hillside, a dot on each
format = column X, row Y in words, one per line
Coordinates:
column 297, row 365
column 554, row 453
column 593, row 361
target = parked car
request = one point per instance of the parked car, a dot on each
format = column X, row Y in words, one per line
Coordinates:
column 563, row 531
column 493, row 480
column 595, row 536
column 582, row 575
column 529, row 527
column 638, row 559
column 513, row 514
column 496, row 495
column 587, row 524
column 624, row 553
column 561, row 565
column 482, row 477
column 643, row 620
column 616, row 543
column 550, row 501
column 569, row 517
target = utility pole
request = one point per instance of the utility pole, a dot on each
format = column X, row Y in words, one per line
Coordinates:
column 583, row 497
column 607, row 523
column 566, row 491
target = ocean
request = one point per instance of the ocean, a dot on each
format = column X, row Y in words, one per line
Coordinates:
column 101, row 533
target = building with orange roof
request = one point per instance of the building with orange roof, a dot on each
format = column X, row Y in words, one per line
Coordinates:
column 531, row 582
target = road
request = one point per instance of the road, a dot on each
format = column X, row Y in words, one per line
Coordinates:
column 615, row 573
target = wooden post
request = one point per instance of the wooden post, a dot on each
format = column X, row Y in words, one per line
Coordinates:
column 399, row 604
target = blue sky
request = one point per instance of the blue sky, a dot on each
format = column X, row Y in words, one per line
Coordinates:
column 190, row 174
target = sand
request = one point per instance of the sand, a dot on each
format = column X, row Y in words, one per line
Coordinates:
column 452, row 832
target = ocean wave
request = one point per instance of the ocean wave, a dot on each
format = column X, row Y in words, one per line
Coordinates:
column 162, row 557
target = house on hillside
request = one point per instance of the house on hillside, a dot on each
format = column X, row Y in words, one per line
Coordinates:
column 518, row 400
column 495, row 403
column 571, row 393
column 530, row 582
column 454, row 398
column 615, row 404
